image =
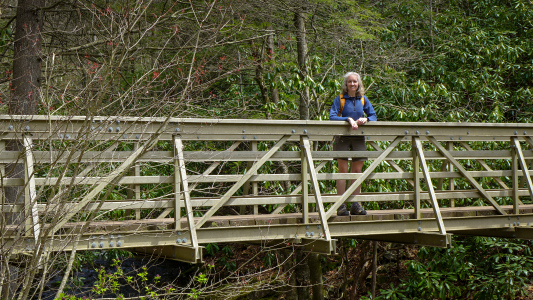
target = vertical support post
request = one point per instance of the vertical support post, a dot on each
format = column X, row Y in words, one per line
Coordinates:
column 416, row 179
column 134, row 191
column 449, row 146
column 30, row 192
column 523, row 165
column 255, row 189
column 177, row 190
column 178, row 146
column 137, row 191
column 516, row 182
column 305, row 180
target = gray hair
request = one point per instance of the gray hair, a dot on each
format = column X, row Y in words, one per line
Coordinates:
column 360, row 89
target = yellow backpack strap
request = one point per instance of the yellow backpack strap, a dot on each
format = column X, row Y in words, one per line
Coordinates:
column 342, row 105
column 363, row 100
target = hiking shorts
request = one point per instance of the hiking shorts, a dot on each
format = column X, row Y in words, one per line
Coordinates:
column 347, row 143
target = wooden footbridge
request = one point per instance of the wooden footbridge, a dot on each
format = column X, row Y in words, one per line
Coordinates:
column 174, row 185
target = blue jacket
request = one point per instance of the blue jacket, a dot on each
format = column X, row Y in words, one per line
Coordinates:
column 353, row 108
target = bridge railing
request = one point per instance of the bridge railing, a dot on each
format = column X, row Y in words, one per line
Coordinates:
column 80, row 172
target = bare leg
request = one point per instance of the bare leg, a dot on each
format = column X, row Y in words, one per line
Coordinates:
column 343, row 168
column 357, row 167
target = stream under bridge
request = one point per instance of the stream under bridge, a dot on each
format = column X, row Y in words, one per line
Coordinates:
column 173, row 185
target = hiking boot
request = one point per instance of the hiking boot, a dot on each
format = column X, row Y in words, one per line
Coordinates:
column 356, row 209
column 343, row 210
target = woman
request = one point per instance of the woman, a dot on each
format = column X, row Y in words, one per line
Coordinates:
column 355, row 107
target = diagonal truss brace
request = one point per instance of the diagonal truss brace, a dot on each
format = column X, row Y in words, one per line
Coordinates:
column 186, row 194
column 333, row 208
column 432, row 196
column 522, row 162
column 241, row 181
column 485, row 166
column 394, row 165
column 316, row 187
column 469, row 177
column 298, row 188
column 31, row 202
column 113, row 177
column 205, row 173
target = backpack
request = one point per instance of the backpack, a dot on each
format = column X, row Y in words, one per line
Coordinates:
column 344, row 100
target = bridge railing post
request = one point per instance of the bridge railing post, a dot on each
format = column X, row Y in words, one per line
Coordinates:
column 416, row 179
column 305, row 180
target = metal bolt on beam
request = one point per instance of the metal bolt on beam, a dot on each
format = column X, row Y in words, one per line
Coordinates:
column 306, row 226
column 243, row 137
column 305, row 131
column 101, row 245
column 27, row 128
column 307, row 233
column 407, row 131
column 185, row 240
column 178, row 241
column 451, row 138
column 137, row 136
column 427, row 131
column 110, row 129
column 118, row 129
column 312, row 233
column 419, row 228
column 67, row 136
column 518, row 223
column 244, row 130
column 179, row 232
column 119, row 244
column 293, row 131
column 255, row 137
column 111, row 244
column 514, row 223
column 525, row 133
column 417, row 132
column 93, row 245
column 318, row 226
column 10, row 127
column 177, row 129
column 516, row 132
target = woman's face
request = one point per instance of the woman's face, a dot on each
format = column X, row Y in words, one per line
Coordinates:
column 352, row 84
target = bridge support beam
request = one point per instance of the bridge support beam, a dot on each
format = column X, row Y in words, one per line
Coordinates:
column 415, row 238
column 523, row 233
column 180, row 253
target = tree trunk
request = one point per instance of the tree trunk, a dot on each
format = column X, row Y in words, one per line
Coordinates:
column 299, row 23
column 25, row 91
column 274, row 93
column 302, row 275
column 315, row 270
